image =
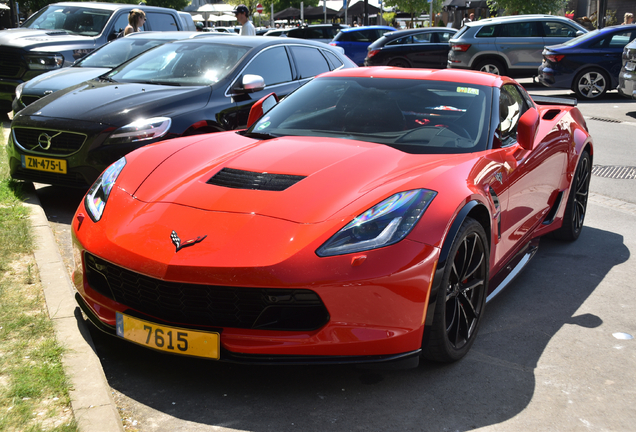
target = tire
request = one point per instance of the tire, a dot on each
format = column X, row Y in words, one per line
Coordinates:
column 461, row 298
column 591, row 84
column 576, row 207
column 491, row 66
column 399, row 63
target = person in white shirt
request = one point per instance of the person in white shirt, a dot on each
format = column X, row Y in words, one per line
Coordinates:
column 242, row 14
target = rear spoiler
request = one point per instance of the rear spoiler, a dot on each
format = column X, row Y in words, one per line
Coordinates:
column 549, row 100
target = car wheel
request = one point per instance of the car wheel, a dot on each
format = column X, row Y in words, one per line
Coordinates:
column 577, row 201
column 591, row 84
column 461, row 298
column 491, row 66
column 399, row 63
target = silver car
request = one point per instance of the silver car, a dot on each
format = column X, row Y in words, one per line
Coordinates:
column 627, row 75
column 509, row 45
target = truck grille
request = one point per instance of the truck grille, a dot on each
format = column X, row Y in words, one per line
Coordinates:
column 10, row 65
column 197, row 305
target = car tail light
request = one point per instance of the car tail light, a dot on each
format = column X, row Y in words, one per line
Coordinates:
column 372, row 53
column 554, row 58
column 333, row 44
column 460, row 47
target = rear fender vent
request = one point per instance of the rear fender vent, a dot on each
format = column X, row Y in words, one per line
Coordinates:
column 551, row 114
column 240, row 179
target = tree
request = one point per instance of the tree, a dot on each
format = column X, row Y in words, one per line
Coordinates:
column 522, row 7
column 415, row 7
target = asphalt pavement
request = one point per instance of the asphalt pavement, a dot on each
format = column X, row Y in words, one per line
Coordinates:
column 554, row 352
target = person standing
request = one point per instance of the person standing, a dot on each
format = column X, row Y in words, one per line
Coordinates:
column 242, row 14
column 136, row 20
column 629, row 18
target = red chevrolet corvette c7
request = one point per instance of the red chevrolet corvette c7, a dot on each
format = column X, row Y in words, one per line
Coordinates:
column 367, row 217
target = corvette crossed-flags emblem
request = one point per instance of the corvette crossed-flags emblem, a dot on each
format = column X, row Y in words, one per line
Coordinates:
column 177, row 241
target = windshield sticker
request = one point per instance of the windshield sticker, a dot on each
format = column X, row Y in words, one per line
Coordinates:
column 468, row 90
column 445, row 108
column 264, row 125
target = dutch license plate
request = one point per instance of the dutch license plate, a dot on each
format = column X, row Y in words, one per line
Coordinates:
column 630, row 66
column 170, row 339
column 44, row 164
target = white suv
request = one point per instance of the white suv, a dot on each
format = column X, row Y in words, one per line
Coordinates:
column 509, row 45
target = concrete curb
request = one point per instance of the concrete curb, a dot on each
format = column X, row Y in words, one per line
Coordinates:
column 91, row 400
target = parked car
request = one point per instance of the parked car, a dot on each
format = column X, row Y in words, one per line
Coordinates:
column 356, row 40
column 277, row 32
column 94, row 64
column 419, row 48
column 286, row 243
column 627, row 76
column 317, row 32
column 588, row 64
column 509, row 45
column 187, row 21
column 61, row 33
column 187, row 87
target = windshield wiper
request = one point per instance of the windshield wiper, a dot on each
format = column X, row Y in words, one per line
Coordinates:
column 258, row 135
column 168, row 83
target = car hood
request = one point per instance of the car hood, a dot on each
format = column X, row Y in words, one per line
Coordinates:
column 35, row 38
column 333, row 173
column 62, row 78
column 117, row 104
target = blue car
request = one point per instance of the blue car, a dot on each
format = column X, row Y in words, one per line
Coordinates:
column 589, row 64
column 355, row 40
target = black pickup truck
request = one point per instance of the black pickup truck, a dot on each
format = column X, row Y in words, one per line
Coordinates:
column 60, row 33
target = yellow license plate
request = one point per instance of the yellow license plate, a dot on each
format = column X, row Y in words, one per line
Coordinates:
column 44, row 164
column 170, row 339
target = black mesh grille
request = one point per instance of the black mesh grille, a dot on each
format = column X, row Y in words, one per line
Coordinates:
column 239, row 179
column 207, row 305
column 10, row 65
column 62, row 143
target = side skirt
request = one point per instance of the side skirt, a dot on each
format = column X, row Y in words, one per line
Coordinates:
column 506, row 275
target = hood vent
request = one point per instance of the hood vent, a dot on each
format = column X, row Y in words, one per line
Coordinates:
column 240, row 179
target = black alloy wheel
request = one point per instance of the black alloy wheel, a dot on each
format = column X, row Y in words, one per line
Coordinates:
column 461, row 299
column 576, row 207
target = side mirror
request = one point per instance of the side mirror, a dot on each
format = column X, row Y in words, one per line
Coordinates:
column 527, row 128
column 261, row 107
column 250, row 84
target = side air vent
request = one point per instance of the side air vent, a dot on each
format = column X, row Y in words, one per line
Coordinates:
column 551, row 114
column 240, row 179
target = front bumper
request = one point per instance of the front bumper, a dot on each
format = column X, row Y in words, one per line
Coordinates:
column 375, row 310
column 627, row 84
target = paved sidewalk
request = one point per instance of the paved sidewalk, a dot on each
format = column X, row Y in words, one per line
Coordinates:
column 91, row 399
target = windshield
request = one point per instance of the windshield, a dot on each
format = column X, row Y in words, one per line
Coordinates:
column 77, row 20
column 187, row 64
column 414, row 116
column 120, row 50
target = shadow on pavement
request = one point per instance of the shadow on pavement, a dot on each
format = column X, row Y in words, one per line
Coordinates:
column 495, row 382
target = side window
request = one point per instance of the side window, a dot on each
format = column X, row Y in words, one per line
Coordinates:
column 512, row 105
column 402, row 41
column 621, row 39
column 334, row 61
column 120, row 22
column 445, row 37
column 309, row 61
column 520, row 29
column 487, row 31
column 558, row 29
column 273, row 65
column 162, row 21
column 422, row 37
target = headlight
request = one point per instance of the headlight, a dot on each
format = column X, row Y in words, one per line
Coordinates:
column 141, row 130
column 44, row 61
column 98, row 194
column 385, row 223
column 18, row 91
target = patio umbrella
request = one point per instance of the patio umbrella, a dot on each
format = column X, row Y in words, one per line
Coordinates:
column 316, row 12
column 290, row 12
